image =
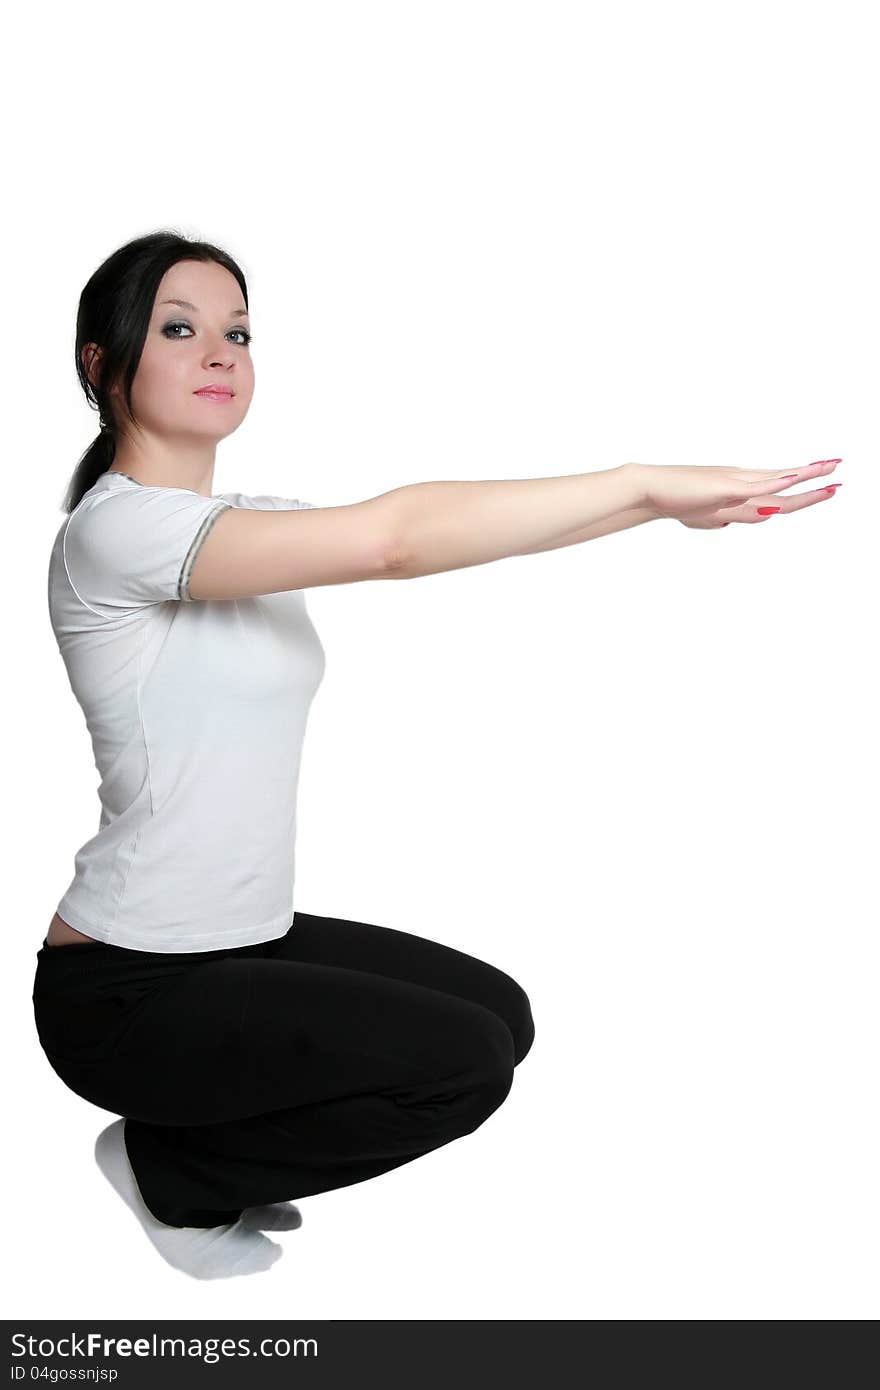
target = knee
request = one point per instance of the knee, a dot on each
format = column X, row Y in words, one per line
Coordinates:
column 519, row 1019
column 491, row 1075
column 525, row 1034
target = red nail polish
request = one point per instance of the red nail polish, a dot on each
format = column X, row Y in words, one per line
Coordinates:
column 833, row 486
column 765, row 511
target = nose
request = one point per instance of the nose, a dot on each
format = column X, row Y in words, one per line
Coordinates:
column 220, row 354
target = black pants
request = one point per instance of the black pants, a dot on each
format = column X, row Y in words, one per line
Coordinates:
column 270, row 1072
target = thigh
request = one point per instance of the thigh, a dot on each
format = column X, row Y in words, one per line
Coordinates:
column 400, row 955
column 236, row 1038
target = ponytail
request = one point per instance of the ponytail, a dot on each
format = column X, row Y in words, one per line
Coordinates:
column 95, row 461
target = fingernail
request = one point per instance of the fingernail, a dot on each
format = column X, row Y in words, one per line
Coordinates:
column 818, row 461
column 765, row 511
column 833, row 486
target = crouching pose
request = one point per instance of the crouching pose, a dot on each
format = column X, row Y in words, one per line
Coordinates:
column 257, row 1054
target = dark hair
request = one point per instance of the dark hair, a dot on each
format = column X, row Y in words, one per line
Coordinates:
column 114, row 313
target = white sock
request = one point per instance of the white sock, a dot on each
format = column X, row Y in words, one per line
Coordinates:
column 205, row 1252
column 276, row 1216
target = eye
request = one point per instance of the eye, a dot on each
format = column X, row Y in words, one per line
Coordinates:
column 168, row 331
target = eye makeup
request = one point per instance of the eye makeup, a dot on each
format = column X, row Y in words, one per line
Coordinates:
column 181, row 323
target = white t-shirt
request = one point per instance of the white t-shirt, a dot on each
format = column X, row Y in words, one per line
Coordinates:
column 197, row 712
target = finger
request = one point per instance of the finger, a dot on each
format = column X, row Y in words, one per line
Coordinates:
column 749, row 513
column 764, row 486
column 819, row 469
column 800, row 500
column 809, row 470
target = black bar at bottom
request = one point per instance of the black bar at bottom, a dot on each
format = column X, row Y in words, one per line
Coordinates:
column 338, row 1355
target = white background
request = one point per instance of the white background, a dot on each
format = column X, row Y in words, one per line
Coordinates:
column 507, row 240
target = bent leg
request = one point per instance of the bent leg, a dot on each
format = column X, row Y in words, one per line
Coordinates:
column 400, row 955
column 266, row 1080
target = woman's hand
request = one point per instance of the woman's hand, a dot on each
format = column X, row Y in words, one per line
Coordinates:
column 708, row 498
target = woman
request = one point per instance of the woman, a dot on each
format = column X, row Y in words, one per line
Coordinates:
column 256, row 1053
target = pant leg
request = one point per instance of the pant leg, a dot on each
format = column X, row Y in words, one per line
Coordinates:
column 270, row 1079
column 243, row 1082
column 401, row 955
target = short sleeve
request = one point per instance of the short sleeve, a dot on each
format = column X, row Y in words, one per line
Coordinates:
column 265, row 503
column 125, row 550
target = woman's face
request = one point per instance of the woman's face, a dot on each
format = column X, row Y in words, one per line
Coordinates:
column 200, row 342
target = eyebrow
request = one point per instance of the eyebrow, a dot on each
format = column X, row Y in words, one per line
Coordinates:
column 185, row 304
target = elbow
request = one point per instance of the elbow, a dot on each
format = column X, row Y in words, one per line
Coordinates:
column 388, row 525
column 393, row 552
column 394, row 564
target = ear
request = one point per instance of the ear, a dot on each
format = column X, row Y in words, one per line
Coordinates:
column 91, row 360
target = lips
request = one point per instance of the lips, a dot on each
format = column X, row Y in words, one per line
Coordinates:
column 214, row 391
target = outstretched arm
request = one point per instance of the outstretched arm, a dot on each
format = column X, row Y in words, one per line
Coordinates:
column 633, row 516
column 452, row 525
